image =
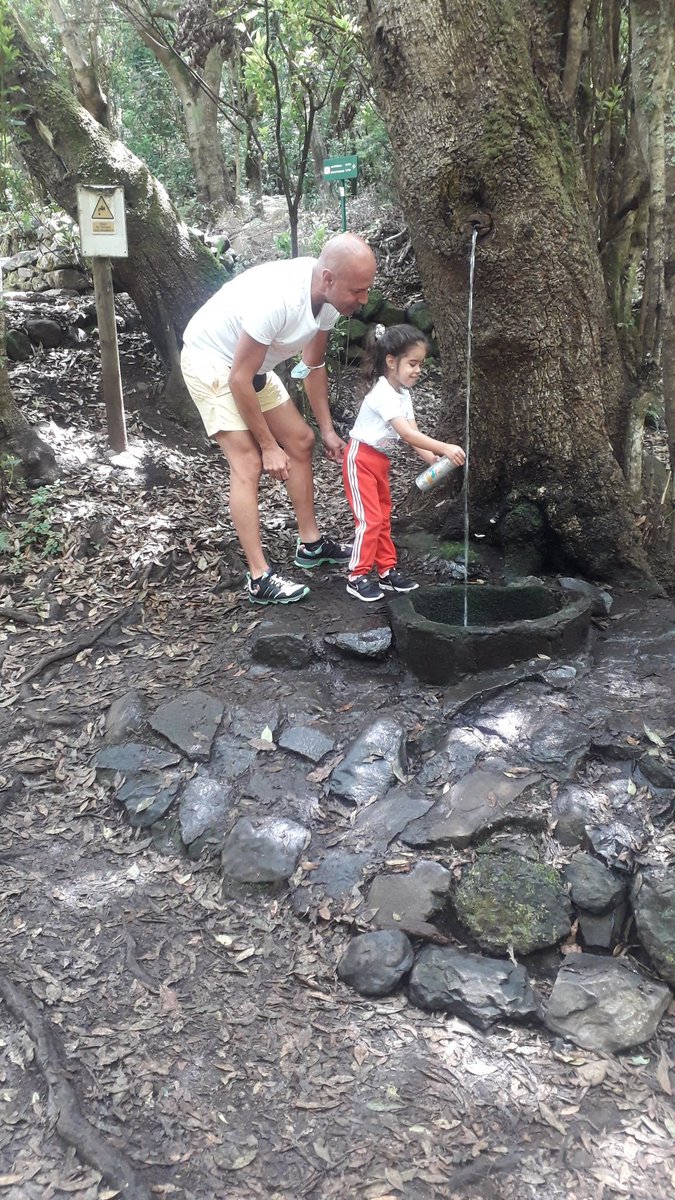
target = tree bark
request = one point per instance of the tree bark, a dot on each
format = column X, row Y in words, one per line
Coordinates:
column 18, row 439
column 549, row 406
column 651, row 59
column 198, row 94
column 169, row 273
column 79, row 50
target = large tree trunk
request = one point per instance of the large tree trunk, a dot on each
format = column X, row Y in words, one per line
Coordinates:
column 472, row 101
column 18, row 439
column 168, row 273
column 198, row 90
column 78, row 36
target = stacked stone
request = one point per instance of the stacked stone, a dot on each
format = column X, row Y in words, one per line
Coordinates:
column 45, row 258
column 351, row 332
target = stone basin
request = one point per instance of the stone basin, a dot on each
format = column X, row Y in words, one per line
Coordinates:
column 506, row 625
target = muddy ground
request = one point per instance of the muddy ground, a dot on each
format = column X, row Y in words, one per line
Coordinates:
column 205, row 1037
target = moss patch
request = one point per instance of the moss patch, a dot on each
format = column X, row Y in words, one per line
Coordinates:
column 505, row 901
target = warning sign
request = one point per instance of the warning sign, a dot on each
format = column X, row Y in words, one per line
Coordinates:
column 102, row 220
column 103, row 216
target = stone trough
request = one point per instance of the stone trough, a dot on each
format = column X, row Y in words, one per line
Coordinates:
column 506, row 625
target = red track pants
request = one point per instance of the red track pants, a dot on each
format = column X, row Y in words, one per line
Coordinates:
column 366, row 475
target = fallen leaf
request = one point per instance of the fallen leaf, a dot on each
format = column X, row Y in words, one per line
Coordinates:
column 663, row 1074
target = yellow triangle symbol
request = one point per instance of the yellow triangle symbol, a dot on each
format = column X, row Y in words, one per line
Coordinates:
column 102, row 211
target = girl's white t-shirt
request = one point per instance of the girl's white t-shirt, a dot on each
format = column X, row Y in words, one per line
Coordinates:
column 382, row 405
column 272, row 303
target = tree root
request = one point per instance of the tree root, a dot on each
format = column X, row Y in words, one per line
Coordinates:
column 115, row 1168
column 83, row 642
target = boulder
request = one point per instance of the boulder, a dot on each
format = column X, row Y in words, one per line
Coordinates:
column 375, row 963
column 265, row 853
column 190, row 722
column 603, row 1005
column 653, row 901
column 479, row 990
column 508, row 901
column 372, row 764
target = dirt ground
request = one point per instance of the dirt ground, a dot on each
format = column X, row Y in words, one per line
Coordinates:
column 207, row 1038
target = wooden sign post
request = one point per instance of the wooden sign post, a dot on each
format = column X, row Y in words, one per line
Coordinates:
column 104, row 236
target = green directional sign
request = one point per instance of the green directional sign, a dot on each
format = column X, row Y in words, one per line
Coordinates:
column 340, row 168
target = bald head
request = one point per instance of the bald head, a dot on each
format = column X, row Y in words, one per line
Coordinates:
column 344, row 273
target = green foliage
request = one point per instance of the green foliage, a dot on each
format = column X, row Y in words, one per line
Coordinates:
column 11, row 110
column 150, row 116
column 38, row 533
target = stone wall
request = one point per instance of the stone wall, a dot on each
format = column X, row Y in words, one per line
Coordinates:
column 43, row 258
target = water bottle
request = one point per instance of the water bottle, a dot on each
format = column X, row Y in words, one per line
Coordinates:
column 434, row 473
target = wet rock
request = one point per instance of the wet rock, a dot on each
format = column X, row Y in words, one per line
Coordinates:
column 335, row 879
column 204, row 808
column 375, row 963
column 559, row 739
column 43, row 332
column 477, row 688
column 230, row 760
column 482, row 801
column 601, row 600
column 457, row 754
column 574, row 808
column 592, row 885
column 265, row 853
column 559, row 678
column 126, row 715
column 370, row 643
column 375, row 760
column 189, row 722
column 405, row 900
column 620, row 738
column 306, row 741
column 132, row 757
column 616, row 843
column 383, row 820
column 654, row 909
column 604, row 1005
column 148, row 784
column 602, row 930
column 147, row 797
column 659, row 769
column 479, row 990
column 281, row 649
column 248, row 723
column 506, row 900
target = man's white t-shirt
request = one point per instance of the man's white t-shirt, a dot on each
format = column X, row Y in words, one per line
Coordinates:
column 382, row 405
column 272, row 303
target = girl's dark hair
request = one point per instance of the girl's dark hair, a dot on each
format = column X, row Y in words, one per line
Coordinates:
column 393, row 340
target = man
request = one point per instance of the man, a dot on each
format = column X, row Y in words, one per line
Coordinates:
column 257, row 320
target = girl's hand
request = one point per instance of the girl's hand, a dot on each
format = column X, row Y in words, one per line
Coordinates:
column 427, row 456
column 454, row 453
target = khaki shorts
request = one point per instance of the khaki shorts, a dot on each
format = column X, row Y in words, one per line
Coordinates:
column 206, row 377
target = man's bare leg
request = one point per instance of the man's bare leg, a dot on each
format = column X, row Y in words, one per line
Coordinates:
column 295, row 436
column 243, row 455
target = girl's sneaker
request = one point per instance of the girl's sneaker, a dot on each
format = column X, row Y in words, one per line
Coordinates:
column 271, row 588
column 364, row 589
column 394, row 581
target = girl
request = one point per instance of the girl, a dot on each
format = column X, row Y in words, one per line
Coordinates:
column 394, row 358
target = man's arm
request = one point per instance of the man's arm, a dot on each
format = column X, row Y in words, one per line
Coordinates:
column 316, row 387
column 248, row 359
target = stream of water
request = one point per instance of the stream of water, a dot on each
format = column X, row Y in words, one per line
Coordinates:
column 467, row 427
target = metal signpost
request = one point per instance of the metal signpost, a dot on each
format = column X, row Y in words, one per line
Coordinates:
column 103, row 234
column 340, row 169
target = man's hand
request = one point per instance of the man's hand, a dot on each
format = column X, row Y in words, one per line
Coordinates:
column 276, row 462
column 334, row 446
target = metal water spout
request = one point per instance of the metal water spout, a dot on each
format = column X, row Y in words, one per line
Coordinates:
column 481, row 222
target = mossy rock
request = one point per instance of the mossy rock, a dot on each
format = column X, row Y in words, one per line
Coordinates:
column 505, row 900
column 372, row 306
column 523, row 523
column 389, row 314
column 418, row 315
column 454, row 552
column 356, row 330
column 19, row 347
